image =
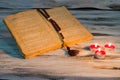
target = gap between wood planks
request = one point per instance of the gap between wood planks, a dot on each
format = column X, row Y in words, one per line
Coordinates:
column 108, row 67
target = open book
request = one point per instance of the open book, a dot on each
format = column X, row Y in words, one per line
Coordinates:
column 35, row 35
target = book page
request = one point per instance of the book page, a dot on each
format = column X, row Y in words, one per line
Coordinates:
column 32, row 33
column 72, row 30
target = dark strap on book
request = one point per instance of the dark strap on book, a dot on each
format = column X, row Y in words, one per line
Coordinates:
column 55, row 25
column 58, row 29
column 47, row 16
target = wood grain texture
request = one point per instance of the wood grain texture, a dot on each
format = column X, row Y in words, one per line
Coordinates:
column 100, row 17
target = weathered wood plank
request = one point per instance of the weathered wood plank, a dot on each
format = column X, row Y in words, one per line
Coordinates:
column 102, row 4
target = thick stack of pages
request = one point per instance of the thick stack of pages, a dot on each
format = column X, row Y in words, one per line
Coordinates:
column 35, row 35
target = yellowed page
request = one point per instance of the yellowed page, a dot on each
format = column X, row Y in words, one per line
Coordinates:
column 73, row 31
column 33, row 34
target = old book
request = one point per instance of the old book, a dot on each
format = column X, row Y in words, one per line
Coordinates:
column 35, row 35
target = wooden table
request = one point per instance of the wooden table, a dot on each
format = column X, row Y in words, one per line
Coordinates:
column 103, row 23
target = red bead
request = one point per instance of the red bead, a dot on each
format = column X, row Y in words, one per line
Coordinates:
column 93, row 46
column 101, row 52
column 109, row 46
